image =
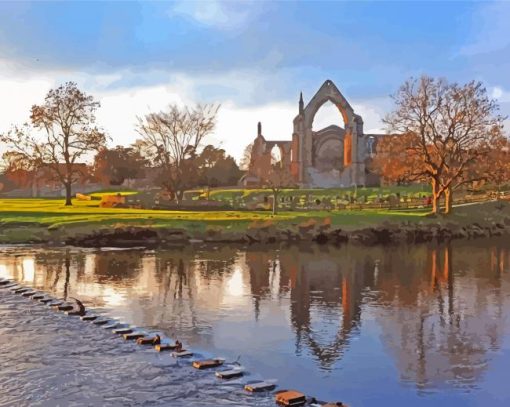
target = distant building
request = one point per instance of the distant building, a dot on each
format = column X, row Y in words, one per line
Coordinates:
column 331, row 157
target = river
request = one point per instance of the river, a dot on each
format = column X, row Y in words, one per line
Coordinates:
column 398, row 325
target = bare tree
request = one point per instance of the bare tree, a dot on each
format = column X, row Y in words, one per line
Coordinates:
column 171, row 139
column 452, row 126
column 277, row 178
column 244, row 162
column 67, row 121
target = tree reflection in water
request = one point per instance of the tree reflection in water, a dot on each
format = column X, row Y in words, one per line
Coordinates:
column 439, row 309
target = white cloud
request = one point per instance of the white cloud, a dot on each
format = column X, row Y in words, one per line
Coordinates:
column 214, row 13
column 236, row 126
column 119, row 110
column 17, row 96
column 369, row 110
column 502, row 95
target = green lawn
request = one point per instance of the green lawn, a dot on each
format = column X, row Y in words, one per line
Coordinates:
column 52, row 213
column 43, row 220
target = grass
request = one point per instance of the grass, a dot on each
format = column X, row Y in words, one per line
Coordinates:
column 53, row 214
column 26, row 220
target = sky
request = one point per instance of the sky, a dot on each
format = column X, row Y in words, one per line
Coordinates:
column 252, row 57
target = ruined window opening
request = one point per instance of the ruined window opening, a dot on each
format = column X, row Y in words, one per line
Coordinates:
column 327, row 115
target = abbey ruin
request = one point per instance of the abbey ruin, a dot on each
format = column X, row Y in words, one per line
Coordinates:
column 331, row 157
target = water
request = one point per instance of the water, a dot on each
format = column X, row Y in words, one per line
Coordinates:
column 386, row 325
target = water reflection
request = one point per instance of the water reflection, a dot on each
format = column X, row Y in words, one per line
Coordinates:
column 437, row 312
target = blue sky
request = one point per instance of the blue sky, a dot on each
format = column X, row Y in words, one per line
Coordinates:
column 252, row 56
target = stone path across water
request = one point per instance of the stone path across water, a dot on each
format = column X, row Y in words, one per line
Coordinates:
column 50, row 359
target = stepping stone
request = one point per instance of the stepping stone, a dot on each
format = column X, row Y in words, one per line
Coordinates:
column 38, row 296
column 123, row 331
column 256, row 387
column 208, row 363
column 182, row 354
column 165, row 345
column 134, row 335
column 149, row 340
column 290, row 398
column 5, row 282
column 316, row 403
column 101, row 321
column 20, row 290
column 11, row 285
column 28, row 294
column 115, row 325
column 90, row 317
column 74, row 313
column 65, row 307
column 237, row 371
column 55, row 303
column 46, row 300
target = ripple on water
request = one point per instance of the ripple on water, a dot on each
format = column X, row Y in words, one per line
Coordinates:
column 48, row 358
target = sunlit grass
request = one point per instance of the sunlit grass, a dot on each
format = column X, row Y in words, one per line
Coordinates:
column 53, row 213
column 42, row 220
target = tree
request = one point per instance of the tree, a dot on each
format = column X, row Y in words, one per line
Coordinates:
column 497, row 163
column 451, row 128
column 216, row 168
column 276, row 178
column 171, row 140
column 114, row 166
column 20, row 168
column 244, row 163
column 66, row 120
column 393, row 160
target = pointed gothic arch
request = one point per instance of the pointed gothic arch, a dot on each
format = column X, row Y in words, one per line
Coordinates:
column 302, row 155
column 328, row 92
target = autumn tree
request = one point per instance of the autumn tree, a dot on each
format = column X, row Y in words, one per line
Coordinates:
column 114, row 166
column 394, row 162
column 63, row 131
column 171, row 141
column 452, row 128
column 20, row 168
column 496, row 167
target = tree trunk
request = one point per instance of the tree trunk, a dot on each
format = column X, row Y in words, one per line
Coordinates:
column 435, row 196
column 275, row 202
column 68, row 194
column 448, row 197
column 178, row 197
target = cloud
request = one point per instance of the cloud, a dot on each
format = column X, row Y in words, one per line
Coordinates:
column 214, row 13
column 17, row 96
column 122, row 99
column 502, row 95
column 491, row 30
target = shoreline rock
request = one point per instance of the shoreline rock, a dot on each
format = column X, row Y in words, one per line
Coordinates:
column 389, row 233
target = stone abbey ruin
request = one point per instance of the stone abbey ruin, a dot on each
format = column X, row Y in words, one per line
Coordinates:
column 327, row 158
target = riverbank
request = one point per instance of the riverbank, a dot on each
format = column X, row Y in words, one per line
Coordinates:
column 25, row 221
